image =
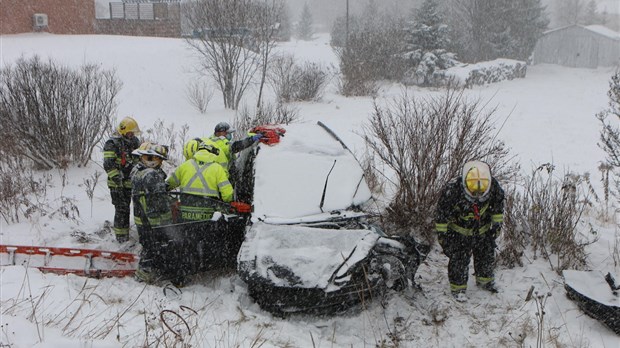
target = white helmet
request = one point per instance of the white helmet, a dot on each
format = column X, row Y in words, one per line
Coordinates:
column 151, row 155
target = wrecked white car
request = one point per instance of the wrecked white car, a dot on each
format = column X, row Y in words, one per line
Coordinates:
column 309, row 246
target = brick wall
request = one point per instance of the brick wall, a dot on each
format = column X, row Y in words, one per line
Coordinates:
column 64, row 16
column 78, row 17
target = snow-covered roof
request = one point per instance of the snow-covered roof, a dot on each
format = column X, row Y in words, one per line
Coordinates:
column 604, row 31
column 308, row 173
column 598, row 29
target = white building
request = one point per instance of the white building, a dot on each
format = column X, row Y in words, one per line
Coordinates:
column 579, row 46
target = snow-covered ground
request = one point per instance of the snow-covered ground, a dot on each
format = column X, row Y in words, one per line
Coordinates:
column 546, row 117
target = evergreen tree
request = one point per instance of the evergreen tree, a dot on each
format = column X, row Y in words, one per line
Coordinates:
column 284, row 31
column 591, row 16
column 568, row 12
column 427, row 40
column 526, row 23
column 491, row 29
column 304, row 27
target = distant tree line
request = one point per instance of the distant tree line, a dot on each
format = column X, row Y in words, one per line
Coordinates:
column 435, row 36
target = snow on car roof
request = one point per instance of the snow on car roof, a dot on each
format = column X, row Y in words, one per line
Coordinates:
column 290, row 176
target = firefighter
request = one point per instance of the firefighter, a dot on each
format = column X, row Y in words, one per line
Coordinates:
column 151, row 208
column 201, row 177
column 190, row 148
column 469, row 217
column 222, row 139
column 118, row 163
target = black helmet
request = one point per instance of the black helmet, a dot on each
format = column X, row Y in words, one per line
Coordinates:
column 223, row 127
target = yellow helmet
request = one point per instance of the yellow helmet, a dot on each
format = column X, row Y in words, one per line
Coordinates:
column 477, row 179
column 190, row 148
column 128, row 125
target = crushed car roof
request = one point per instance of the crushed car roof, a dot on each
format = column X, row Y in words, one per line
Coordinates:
column 308, row 175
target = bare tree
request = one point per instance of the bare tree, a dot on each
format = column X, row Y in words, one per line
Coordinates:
column 610, row 132
column 268, row 16
column 226, row 45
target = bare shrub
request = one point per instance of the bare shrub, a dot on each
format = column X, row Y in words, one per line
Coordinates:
column 357, row 78
column 311, row 81
column 425, row 142
column 90, row 184
column 293, row 82
column 199, row 95
column 167, row 134
column 265, row 114
column 370, row 55
column 65, row 112
column 513, row 241
column 548, row 212
column 20, row 195
column 610, row 134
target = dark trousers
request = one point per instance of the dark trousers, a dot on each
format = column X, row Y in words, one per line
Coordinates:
column 460, row 248
column 121, row 199
column 163, row 252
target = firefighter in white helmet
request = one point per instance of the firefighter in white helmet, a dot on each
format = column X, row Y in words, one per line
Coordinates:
column 468, row 219
column 151, row 206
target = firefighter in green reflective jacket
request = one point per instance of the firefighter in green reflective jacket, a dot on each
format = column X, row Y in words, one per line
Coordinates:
column 199, row 178
column 222, row 140
column 118, row 163
column 468, row 220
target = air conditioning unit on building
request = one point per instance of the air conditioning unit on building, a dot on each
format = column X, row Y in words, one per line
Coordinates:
column 39, row 20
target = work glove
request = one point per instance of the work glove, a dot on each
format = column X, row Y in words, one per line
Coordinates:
column 495, row 230
column 256, row 137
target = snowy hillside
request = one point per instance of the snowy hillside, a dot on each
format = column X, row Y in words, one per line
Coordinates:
column 546, row 117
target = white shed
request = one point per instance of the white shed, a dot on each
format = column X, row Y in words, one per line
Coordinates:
column 579, row 46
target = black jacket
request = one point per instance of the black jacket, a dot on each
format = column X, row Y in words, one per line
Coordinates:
column 150, row 196
column 459, row 213
column 118, row 160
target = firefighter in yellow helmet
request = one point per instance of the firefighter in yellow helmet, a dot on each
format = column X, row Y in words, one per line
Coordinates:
column 118, row 163
column 190, row 148
column 468, row 220
column 200, row 177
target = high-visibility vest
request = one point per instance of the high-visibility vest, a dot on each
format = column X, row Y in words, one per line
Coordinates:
column 202, row 176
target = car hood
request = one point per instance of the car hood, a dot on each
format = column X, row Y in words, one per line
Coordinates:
column 308, row 175
column 303, row 257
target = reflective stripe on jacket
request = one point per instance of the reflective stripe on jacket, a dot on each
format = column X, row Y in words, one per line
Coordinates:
column 118, row 161
column 222, row 158
column 202, row 176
